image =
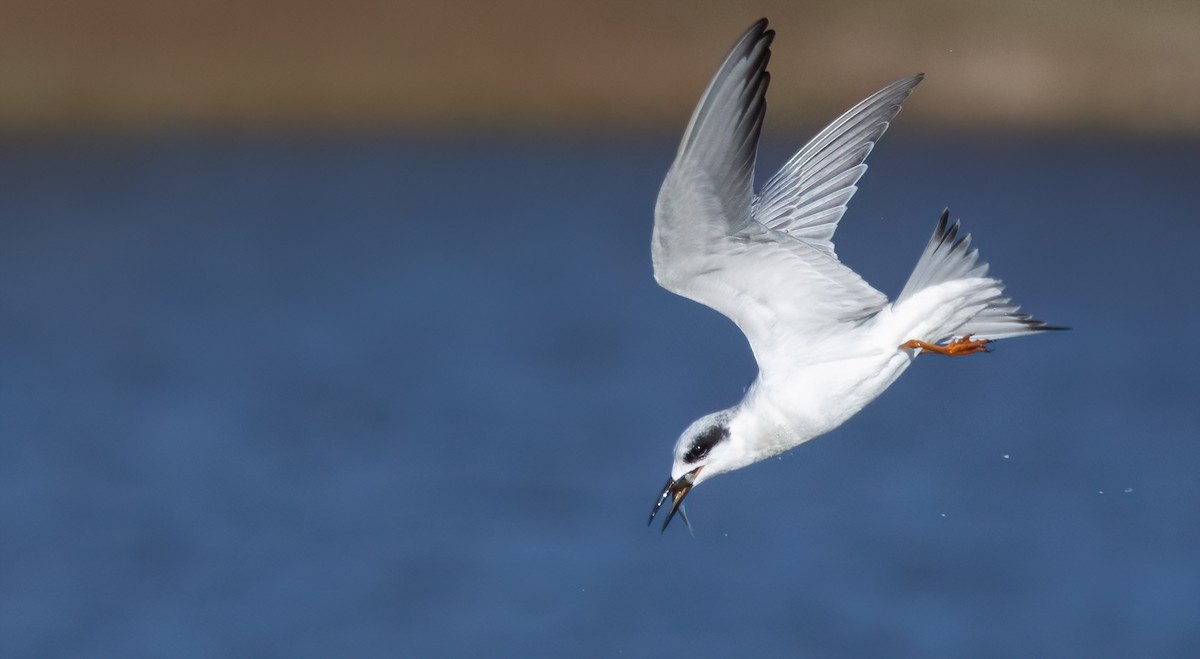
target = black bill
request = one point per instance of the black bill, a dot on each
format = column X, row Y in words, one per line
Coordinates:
column 677, row 489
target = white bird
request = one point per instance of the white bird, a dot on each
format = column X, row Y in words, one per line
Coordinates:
column 826, row 342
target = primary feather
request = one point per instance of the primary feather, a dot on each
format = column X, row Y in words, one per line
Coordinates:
column 765, row 262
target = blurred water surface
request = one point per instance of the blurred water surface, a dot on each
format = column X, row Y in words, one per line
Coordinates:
column 404, row 397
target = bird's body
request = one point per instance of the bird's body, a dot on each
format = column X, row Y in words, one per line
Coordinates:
column 826, row 342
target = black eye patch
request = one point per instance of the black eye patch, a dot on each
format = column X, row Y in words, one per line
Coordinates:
column 704, row 443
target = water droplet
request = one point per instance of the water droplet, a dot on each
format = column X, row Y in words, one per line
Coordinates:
column 1006, row 456
column 1128, row 490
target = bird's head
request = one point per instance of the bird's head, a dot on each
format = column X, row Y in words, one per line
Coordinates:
column 701, row 453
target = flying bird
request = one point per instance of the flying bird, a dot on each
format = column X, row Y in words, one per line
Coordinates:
column 826, row 342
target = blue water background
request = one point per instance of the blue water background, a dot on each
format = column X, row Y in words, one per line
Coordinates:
column 415, row 397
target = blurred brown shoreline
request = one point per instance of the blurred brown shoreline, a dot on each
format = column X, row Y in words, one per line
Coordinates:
column 129, row 65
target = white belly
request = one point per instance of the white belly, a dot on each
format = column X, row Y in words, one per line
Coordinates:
column 816, row 398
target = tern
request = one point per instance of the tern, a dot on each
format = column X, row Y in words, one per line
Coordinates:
column 826, row 342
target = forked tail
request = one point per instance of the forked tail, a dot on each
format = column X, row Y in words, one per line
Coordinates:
column 950, row 295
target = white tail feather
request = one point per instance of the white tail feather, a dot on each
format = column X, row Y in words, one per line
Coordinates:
column 948, row 258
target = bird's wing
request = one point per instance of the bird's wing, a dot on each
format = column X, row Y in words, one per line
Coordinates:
column 710, row 243
column 807, row 196
column 721, row 140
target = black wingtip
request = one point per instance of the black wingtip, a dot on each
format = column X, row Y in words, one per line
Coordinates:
column 758, row 32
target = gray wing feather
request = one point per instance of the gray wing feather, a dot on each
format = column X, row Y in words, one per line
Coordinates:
column 721, row 139
column 707, row 245
column 808, row 195
column 708, row 191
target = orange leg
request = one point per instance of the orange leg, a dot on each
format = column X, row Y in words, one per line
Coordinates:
column 961, row 346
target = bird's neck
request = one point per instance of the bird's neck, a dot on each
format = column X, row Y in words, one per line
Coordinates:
column 761, row 427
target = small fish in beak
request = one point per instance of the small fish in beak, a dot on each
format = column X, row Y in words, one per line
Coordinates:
column 677, row 489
